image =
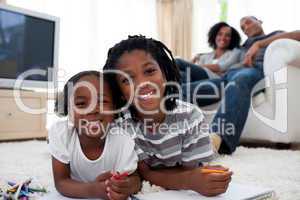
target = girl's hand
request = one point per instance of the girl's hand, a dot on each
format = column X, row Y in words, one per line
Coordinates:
column 210, row 184
column 100, row 185
column 103, row 177
column 122, row 188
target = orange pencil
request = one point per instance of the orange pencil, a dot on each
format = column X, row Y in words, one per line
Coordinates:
column 207, row 171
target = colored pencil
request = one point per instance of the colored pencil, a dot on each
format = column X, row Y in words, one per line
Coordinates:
column 208, row 171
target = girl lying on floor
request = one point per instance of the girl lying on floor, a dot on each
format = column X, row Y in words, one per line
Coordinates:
column 86, row 147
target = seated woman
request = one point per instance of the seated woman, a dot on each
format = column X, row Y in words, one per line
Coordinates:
column 225, row 41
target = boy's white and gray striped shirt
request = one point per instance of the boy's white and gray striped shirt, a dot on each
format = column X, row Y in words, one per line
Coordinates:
column 181, row 139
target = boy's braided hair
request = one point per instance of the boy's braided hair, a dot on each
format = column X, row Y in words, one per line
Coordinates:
column 158, row 51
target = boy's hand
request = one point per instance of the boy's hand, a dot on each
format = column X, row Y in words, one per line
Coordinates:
column 210, row 184
column 215, row 167
column 120, row 189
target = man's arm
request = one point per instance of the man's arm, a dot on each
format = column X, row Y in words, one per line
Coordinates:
column 251, row 53
column 294, row 35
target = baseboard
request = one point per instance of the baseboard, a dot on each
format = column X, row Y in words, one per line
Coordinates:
column 272, row 145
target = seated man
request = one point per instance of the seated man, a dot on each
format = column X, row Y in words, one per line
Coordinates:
column 231, row 116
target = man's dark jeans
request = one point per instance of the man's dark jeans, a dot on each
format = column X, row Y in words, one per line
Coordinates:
column 232, row 113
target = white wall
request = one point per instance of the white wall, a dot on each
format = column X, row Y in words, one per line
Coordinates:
column 90, row 27
column 205, row 14
column 275, row 14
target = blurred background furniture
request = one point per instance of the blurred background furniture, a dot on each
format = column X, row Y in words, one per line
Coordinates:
column 274, row 114
column 16, row 122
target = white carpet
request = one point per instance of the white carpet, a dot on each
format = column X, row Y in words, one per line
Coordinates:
column 276, row 169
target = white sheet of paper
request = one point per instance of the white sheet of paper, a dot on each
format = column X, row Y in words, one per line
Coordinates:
column 235, row 191
column 54, row 195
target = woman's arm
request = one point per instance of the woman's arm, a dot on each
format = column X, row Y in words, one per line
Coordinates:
column 71, row 188
column 196, row 58
column 232, row 58
column 204, row 61
column 213, row 67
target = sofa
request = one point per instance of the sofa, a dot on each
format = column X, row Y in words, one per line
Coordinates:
column 274, row 115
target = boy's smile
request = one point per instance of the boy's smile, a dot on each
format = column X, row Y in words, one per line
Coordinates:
column 147, row 78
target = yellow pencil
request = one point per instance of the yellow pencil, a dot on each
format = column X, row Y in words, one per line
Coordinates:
column 207, row 171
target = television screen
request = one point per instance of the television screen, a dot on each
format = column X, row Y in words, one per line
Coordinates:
column 26, row 42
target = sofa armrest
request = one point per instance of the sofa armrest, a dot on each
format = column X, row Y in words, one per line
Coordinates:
column 280, row 54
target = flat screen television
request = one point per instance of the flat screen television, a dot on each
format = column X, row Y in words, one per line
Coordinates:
column 28, row 48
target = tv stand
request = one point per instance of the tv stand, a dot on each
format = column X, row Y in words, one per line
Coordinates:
column 22, row 89
column 15, row 123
